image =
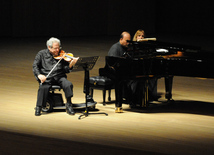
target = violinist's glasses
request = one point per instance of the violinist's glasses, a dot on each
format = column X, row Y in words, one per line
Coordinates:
column 57, row 48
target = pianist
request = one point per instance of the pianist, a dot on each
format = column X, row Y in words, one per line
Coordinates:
column 121, row 47
column 128, row 88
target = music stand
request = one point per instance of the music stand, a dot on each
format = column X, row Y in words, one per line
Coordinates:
column 86, row 64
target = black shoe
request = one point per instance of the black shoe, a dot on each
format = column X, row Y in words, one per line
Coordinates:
column 168, row 96
column 132, row 105
column 90, row 99
column 170, row 101
column 38, row 111
column 69, row 109
column 154, row 98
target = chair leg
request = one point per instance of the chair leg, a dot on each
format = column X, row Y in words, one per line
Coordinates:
column 109, row 95
column 104, row 96
column 92, row 92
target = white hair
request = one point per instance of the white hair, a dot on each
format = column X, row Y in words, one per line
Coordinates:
column 53, row 40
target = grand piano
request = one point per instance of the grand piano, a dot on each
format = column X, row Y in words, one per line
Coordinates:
column 151, row 58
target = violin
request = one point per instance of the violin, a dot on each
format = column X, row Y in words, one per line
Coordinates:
column 62, row 55
column 67, row 56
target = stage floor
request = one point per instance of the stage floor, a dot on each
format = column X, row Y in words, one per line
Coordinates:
column 185, row 127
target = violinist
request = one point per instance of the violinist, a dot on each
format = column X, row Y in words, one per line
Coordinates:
column 50, row 67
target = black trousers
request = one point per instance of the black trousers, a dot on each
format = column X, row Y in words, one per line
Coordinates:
column 136, row 91
column 152, row 88
column 131, row 90
column 119, row 93
column 43, row 90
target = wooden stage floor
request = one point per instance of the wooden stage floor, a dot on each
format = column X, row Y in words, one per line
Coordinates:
column 185, row 127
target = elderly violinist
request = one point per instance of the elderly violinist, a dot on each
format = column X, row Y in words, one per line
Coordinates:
column 48, row 71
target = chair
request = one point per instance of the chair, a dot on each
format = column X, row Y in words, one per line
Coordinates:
column 101, row 83
column 54, row 99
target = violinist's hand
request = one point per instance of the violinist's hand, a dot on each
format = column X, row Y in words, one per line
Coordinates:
column 42, row 78
column 73, row 62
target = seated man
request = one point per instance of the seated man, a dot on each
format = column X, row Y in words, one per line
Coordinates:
column 126, row 89
column 42, row 66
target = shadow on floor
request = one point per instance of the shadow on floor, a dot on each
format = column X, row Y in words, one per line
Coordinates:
column 13, row 143
column 178, row 106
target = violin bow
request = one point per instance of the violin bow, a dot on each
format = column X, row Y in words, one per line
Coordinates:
column 53, row 69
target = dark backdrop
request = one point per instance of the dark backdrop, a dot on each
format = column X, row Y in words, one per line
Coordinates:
column 65, row 18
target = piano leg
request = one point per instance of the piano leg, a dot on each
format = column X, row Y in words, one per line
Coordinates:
column 146, row 94
column 168, row 87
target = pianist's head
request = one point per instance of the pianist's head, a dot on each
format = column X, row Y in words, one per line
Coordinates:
column 124, row 37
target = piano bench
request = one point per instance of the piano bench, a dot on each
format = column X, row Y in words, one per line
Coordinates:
column 101, row 83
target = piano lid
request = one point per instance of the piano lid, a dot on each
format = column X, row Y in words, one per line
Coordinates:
column 163, row 45
column 152, row 48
